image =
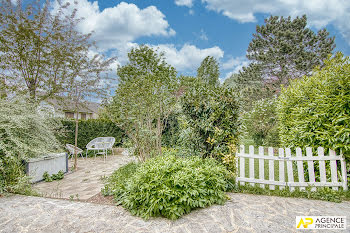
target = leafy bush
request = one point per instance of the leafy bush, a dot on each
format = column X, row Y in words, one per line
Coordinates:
column 260, row 123
column 209, row 124
column 24, row 133
column 90, row 129
column 315, row 111
column 48, row 178
column 169, row 186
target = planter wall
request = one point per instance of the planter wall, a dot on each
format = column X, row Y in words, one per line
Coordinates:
column 52, row 163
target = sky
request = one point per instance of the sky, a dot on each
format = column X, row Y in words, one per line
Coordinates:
column 189, row 30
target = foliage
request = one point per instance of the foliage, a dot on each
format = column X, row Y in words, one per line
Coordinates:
column 146, row 95
column 24, row 133
column 321, row 193
column 209, row 124
column 40, row 50
column 315, row 111
column 285, row 49
column 250, row 85
column 116, row 184
column 48, row 178
column 90, row 129
column 260, row 123
column 170, row 186
column 208, row 71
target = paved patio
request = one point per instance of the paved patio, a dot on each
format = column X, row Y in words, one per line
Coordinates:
column 86, row 181
column 243, row 213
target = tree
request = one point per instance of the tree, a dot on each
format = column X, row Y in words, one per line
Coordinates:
column 209, row 71
column 146, row 95
column 314, row 111
column 87, row 80
column 38, row 49
column 286, row 49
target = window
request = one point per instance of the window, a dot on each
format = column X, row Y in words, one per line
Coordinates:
column 83, row 116
column 69, row 114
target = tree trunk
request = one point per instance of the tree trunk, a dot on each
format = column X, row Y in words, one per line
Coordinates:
column 76, row 136
column 159, row 136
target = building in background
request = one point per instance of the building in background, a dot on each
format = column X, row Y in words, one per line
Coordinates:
column 66, row 109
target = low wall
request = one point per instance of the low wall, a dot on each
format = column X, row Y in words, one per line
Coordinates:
column 52, row 163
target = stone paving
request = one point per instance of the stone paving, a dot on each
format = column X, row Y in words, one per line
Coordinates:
column 243, row 213
column 86, row 181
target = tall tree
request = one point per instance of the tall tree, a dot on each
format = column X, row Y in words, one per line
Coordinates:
column 209, row 71
column 145, row 97
column 38, row 48
column 88, row 80
column 286, row 49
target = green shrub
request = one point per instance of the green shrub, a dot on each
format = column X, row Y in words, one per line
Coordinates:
column 90, row 129
column 116, row 184
column 315, row 111
column 260, row 123
column 209, row 123
column 24, row 133
column 58, row 176
column 169, row 185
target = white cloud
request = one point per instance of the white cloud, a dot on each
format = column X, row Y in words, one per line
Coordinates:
column 120, row 24
column 188, row 3
column 189, row 57
column 320, row 12
column 235, row 65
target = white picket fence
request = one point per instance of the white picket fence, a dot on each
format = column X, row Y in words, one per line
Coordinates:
column 286, row 174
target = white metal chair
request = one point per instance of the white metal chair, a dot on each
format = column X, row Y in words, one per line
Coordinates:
column 71, row 148
column 101, row 145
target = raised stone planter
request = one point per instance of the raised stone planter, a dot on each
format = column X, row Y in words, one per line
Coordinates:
column 52, row 163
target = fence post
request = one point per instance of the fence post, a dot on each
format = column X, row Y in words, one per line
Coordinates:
column 251, row 165
column 322, row 165
column 281, row 166
column 271, row 169
column 300, row 167
column 343, row 172
column 311, row 168
column 242, row 163
column 261, row 166
column 290, row 168
column 334, row 175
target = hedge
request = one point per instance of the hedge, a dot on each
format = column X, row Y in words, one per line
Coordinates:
column 315, row 111
column 90, row 129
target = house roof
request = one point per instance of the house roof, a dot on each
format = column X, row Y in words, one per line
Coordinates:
column 67, row 105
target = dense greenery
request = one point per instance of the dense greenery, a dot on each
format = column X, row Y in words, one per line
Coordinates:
column 209, row 122
column 208, row 71
column 90, row 129
column 281, row 50
column 24, row 133
column 260, row 123
column 315, row 111
column 169, row 186
column 145, row 97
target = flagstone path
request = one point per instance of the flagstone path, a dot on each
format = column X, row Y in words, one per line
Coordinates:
column 243, row 213
column 87, row 181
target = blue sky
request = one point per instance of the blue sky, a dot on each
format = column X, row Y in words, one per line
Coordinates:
column 189, row 30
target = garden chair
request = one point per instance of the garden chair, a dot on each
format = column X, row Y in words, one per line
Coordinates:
column 71, row 148
column 101, row 145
